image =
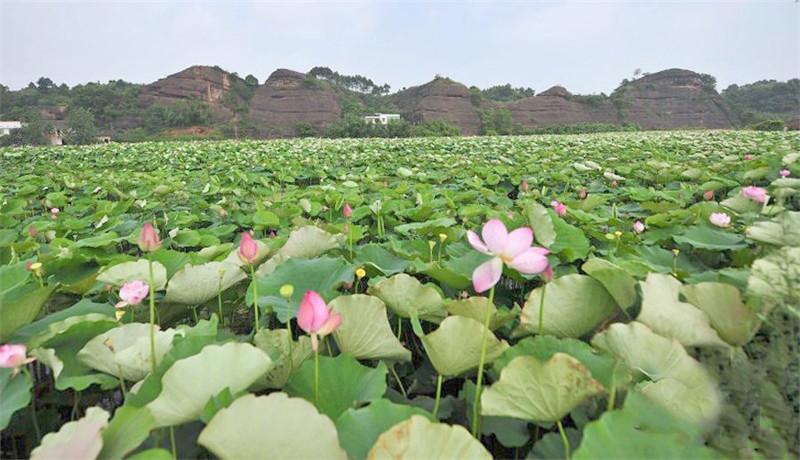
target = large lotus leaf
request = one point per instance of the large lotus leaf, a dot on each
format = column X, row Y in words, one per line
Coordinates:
column 323, row 275
column 705, row 237
column 79, row 439
column 570, row 242
column 375, row 256
column 195, row 284
column 15, row 393
column 418, row 437
column 19, row 311
column 455, row 347
column 125, row 350
column 618, row 283
column 677, row 381
column 729, row 316
column 359, row 428
column 741, row 204
column 774, row 280
column 84, row 307
column 271, row 264
column 119, row 274
column 58, row 345
column 273, row 426
column 475, row 308
column 641, row 429
column 343, row 383
column 667, row 315
column 233, row 257
column 604, row 367
column 310, row 241
column 573, row 305
column 189, row 383
column 365, row 331
column 541, row 391
column 276, row 342
column 407, row 297
column 783, row 230
column 542, row 224
column 128, row 429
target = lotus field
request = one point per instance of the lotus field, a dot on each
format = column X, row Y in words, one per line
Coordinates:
column 597, row 296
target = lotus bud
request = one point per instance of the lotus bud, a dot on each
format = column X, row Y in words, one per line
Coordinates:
column 53, row 216
column 272, row 234
column 55, row 210
column 720, row 219
column 754, row 193
column 148, row 240
column 618, row 233
column 638, row 227
column 560, row 208
column 748, row 156
column 582, row 193
column 709, row 195
column 315, row 318
column 547, row 274
column 347, row 211
column 286, row 291
column 614, row 183
column 13, row 355
column 442, row 236
column 248, row 249
column 447, row 213
column 524, row 186
column 676, row 251
column 785, row 173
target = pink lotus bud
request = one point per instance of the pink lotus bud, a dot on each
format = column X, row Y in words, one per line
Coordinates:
column 223, row 213
column 709, row 195
column 547, row 274
column 32, row 231
column 53, row 217
column 28, row 265
column 785, row 173
column 347, row 211
column 582, row 193
column 524, row 186
column 148, row 240
column 447, row 213
column 248, row 249
column 748, row 156
column 614, row 183
column 720, row 219
column 12, row 355
column 272, row 234
column 252, row 233
column 132, row 293
column 754, row 193
column 560, row 207
column 638, row 227
column 315, row 318
column 55, row 210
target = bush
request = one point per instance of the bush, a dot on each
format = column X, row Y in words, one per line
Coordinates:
column 768, row 125
column 304, row 129
column 80, row 127
column 353, row 126
column 33, row 132
column 438, row 128
column 584, row 128
column 496, row 122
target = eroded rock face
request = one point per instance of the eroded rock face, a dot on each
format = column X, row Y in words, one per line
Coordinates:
column 441, row 99
column 203, row 83
column 286, row 99
column 556, row 106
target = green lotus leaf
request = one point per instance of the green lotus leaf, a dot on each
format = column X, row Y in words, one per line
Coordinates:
column 274, row 426
column 266, row 219
column 677, row 382
column 98, row 241
column 418, row 437
column 729, row 316
column 196, row 284
column 774, row 280
column 20, row 311
column 665, row 314
column 430, row 227
column 570, row 241
column 359, row 428
column 455, row 347
column 128, row 429
column 344, row 383
column 83, row 307
column 310, row 241
column 741, row 204
column 15, row 392
column 573, row 306
column 541, row 391
column 365, row 332
column 618, row 283
column 542, row 224
column 705, row 237
column 475, row 308
column 79, row 439
column 125, row 350
column 375, row 256
column 407, row 297
column 119, row 274
column 782, row 230
column 275, row 342
column 189, row 383
column 270, row 265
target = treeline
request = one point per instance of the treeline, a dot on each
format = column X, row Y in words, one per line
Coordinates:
column 355, row 127
column 764, row 101
column 351, row 82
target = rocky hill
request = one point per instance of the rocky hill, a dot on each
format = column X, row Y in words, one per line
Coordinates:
column 441, row 99
column 557, row 106
column 203, row 83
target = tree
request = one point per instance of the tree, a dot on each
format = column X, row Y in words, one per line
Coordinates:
column 80, row 127
column 251, row 80
column 33, row 132
column 44, row 84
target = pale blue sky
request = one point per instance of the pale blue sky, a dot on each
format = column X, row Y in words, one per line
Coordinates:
column 585, row 46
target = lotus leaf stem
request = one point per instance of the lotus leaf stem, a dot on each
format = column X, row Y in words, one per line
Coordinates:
column 33, row 404
column 541, row 309
column 316, row 378
column 255, row 296
column 438, row 394
column 564, row 440
column 219, row 299
column 399, row 382
column 152, row 315
column 172, row 444
column 481, row 363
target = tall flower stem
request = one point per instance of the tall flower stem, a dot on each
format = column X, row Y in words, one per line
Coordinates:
column 33, row 404
column 481, row 363
column 289, row 330
column 316, row 378
column 541, row 309
column 219, row 299
column 399, row 382
column 152, row 315
column 350, row 238
column 255, row 295
column 564, row 440
column 438, row 394
column 172, row 444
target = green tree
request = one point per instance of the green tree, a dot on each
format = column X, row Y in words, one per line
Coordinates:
column 33, row 132
column 80, row 128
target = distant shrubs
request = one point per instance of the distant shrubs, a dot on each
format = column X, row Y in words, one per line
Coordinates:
column 356, row 127
column 584, row 128
column 496, row 122
column 768, row 125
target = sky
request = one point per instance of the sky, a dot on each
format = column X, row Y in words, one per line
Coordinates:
column 588, row 47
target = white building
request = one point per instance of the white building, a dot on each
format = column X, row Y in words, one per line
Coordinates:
column 7, row 126
column 382, row 118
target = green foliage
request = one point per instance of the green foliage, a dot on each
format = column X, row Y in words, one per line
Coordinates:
column 768, row 125
column 496, row 122
column 177, row 115
column 506, row 93
column 764, row 100
column 351, row 82
column 354, row 126
column 584, row 128
column 80, row 127
column 33, row 132
column 435, row 129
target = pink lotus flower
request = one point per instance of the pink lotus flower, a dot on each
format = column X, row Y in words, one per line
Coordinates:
column 53, row 216
column 709, row 195
column 248, row 249
column 447, row 213
column 148, row 240
column 524, row 186
column 347, row 211
column 614, row 183
column 560, row 207
column 32, row 231
column 582, row 193
column 748, row 156
column 13, row 355
column 514, row 249
column 754, row 193
column 785, row 173
column 720, row 219
column 316, row 319
column 638, row 227
column 132, row 293
column 55, row 210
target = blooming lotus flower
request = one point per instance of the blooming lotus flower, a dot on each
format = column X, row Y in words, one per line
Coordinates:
column 720, row 219
column 132, row 293
column 709, row 195
column 13, row 355
column 748, row 156
column 513, row 249
column 754, row 193
column 316, row 319
column 638, row 227
column 785, row 173
column 248, row 249
column 55, row 210
column 560, row 207
column 524, row 186
column 347, row 211
column 148, row 240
